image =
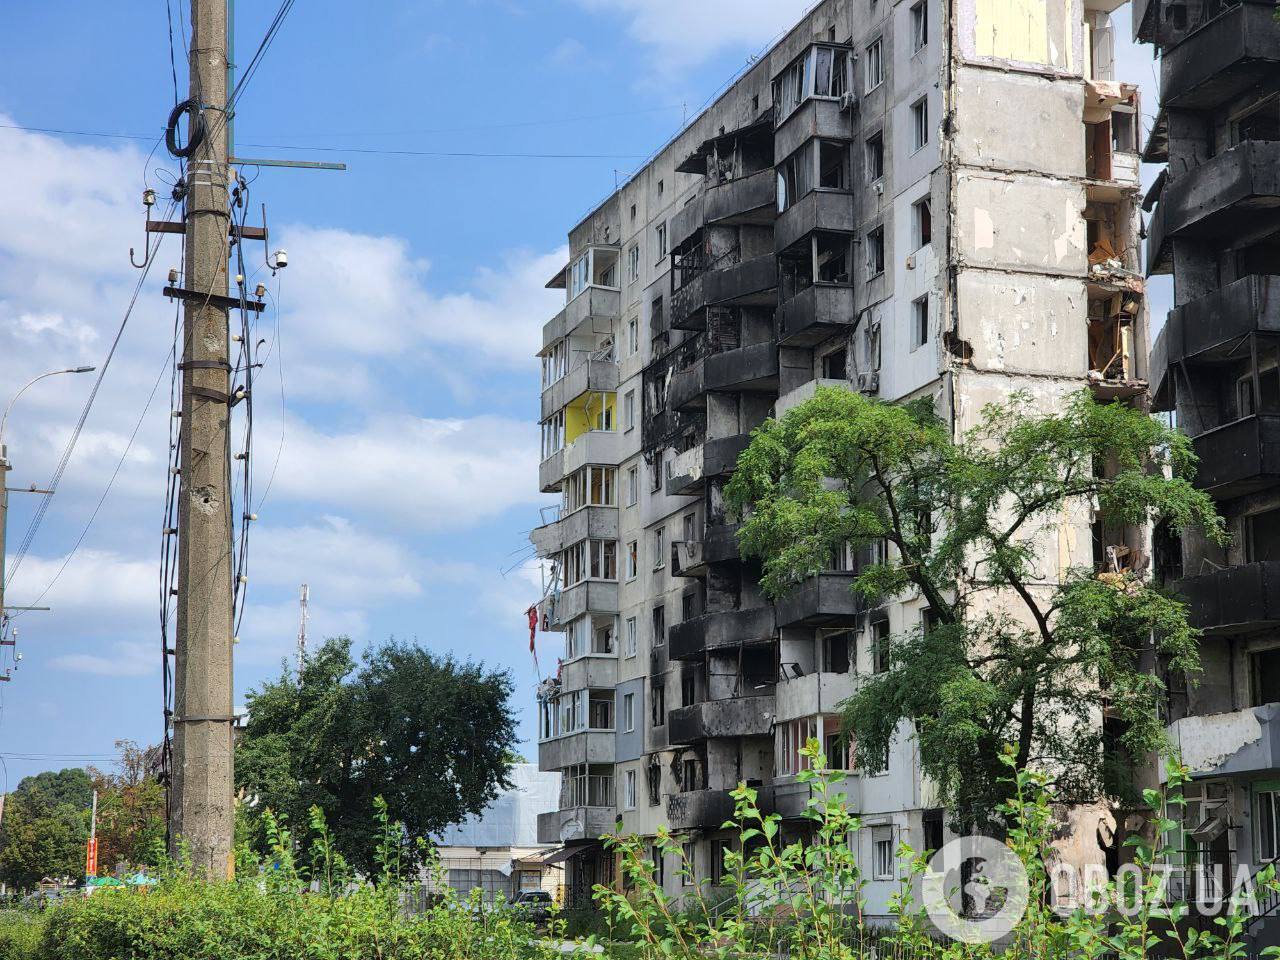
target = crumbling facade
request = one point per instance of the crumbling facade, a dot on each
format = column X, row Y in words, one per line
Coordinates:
column 902, row 197
column 1215, row 226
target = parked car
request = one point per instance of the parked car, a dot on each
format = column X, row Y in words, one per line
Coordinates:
column 535, row 904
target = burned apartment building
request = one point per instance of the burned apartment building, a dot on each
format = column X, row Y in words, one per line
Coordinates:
column 1215, row 226
column 902, row 197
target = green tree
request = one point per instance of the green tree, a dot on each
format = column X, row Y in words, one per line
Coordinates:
column 430, row 735
column 131, row 811
column 45, row 827
column 1009, row 656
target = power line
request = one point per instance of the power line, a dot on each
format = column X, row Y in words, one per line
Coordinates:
column 369, row 151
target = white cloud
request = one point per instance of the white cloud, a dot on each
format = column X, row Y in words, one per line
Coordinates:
column 431, row 473
column 130, row 659
column 335, row 559
column 686, row 34
column 101, row 582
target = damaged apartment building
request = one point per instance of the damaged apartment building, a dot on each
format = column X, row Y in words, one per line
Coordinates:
column 902, row 197
column 1215, row 226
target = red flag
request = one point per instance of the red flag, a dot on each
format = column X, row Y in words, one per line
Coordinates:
column 532, row 614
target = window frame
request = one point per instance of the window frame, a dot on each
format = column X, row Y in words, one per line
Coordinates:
column 631, row 639
column 919, row 322
column 874, row 56
column 919, row 20
column 920, row 124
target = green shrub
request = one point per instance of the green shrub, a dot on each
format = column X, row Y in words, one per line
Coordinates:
column 19, row 935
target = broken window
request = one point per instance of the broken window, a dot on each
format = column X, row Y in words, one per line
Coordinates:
column 1264, row 668
column 875, row 157
column 875, row 252
column 821, row 71
column 922, row 217
column 1124, row 129
column 590, row 559
column 1261, row 122
column 920, row 322
column 653, row 778
column 1262, row 536
column 836, row 648
column 633, row 264
column 919, row 26
column 818, row 164
column 659, row 616
column 835, row 365
column 920, row 123
column 590, row 487
column 1268, row 813
column 1268, row 387
column 833, row 165
column 658, row 701
column 833, row 258
column 880, row 659
column 1111, row 349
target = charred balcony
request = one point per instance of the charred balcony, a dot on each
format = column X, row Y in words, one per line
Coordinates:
column 725, row 630
column 824, row 600
column 702, row 278
column 688, row 558
column 1209, row 330
column 1232, row 199
column 1240, row 457
column 709, row 809
column 1235, row 599
column 749, row 369
column 1226, row 56
column 750, row 715
column 712, row 458
column 814, row 314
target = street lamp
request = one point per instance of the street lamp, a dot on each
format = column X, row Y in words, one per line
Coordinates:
column 5, row 466
column 52, row 373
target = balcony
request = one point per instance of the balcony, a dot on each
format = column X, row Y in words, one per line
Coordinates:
column 688, row 559
column 749, row 199
column 598, row 448
column 714, row 458
column 744, row 283
column 590, row 596
column 596, row 671
column 576, row 824
column 720, row 631
column 811, row 694
column 687, row 393
column 588, row 746
column 791, row 796
column 709, row 809
column 589, row 523
column 1240, row 457
column 813, row 118
column 720, row 542
column 1241, row 743
column 1209, row 329
column 828, row 211
column 749, row 369
column 814, row 314
column 1235, row 599
column 825, row 600
column 807, row 391
column 594, row 310
column 1231, row 199
column 1231, row 53
column 747, row 716
column 587, row 376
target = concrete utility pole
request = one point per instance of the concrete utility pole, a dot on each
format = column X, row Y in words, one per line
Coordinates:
column 201, row 807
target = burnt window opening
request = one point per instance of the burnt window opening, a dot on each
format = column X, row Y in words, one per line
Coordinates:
column 1262, row 122
column 658, row 701
column 835, row 365
column 1267, row 399
column 653, row 780
column 817, row 165
column 837, row 652
column 1166, row 544
column 875, row 157
column 1262, row 536
column 1264, row 675
column 875, row 252
column 880, row 653
column 688, row 688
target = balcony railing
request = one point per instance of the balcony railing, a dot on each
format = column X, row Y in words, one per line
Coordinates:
column 590, row 791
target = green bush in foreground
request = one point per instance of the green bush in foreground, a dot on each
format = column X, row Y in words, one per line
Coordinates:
column 281, row 909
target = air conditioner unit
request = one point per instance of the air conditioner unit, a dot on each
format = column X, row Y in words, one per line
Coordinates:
column 869, row 382
column 848, row 100
column 877, row 188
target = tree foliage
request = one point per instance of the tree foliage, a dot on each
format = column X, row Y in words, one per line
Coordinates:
column 1017, row 651
column 430, row 735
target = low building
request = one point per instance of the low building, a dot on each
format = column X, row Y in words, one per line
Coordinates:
column 498, row 852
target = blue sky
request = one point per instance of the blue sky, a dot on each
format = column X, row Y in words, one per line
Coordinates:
column 408, row 316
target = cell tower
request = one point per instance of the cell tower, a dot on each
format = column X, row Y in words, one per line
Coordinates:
column 303, row 597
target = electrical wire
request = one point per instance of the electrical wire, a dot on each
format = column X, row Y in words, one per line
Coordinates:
column 52, row 487
column 367, row 151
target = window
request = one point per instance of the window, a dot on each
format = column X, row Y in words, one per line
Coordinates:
column 718, row 850
column 833, row 258
column 659, row 548
column 919, row 26
column 1268, row 813
column 835, row 747
column 657, row 322
column 1265, row 670
column 629, row 790
column 662, row 187
column 602, row 639
column 633, row 559
column 875, row 252
column 689, row 849
column 633, row 212
column 836, row 648
column 633, row 486
column 875, row 157
column 690, row 776
column 659, row 625
column 880, row 659
column 922, row 221
column 628, row 712
column 882, row 853
column 659, row 861
column 835, row 365
column 660, row 239
column 633, row 264
column 629, row 410
column 631, row 637
column 555, row 362
column 920, row 322
column 688, row 606
column 590, row 487
column 874, row 65
column 553, row 434
column 919, row 123
column 932, row 828
column 653, row 774
column 1262, row 536
column 658, row 701
column 590, row 560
